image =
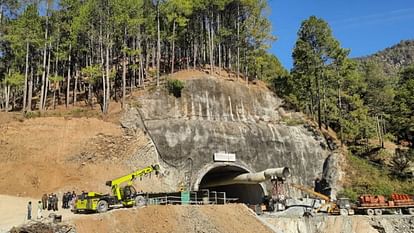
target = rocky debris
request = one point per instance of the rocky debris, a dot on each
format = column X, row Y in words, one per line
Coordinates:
column 104, row 148
column 343, row 224
column 388, row 224
column 41, row 227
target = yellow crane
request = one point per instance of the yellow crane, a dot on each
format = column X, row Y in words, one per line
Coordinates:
column 126, row 196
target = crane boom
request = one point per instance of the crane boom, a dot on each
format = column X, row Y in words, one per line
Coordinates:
column 115, row 184
column 311, row 192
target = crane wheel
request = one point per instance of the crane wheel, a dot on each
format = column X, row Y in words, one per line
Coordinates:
column 140, row 201
column 102, row 206
column 370, row 212
column 378, row 212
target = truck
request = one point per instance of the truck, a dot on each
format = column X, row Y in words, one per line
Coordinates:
column 366, row 204
column 377, row 204
column 121, row 195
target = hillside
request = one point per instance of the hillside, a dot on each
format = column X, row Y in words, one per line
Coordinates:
column 394, row 58
column 77, row 150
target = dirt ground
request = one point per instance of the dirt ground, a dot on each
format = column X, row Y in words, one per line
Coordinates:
column 13, row 212
column 54, row 154
column 174, row 218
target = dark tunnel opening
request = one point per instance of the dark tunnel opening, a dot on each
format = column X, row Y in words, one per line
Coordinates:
column 245, row 193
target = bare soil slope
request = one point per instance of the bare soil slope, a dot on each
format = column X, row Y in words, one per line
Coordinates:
column 173, row 218
column 59, row 154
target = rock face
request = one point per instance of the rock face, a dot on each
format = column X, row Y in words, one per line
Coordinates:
column 214, row 115
column 354, row 224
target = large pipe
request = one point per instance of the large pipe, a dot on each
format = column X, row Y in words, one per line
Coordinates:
column 250, row 178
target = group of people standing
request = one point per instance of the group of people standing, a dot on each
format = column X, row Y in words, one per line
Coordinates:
column 50, row 202
column 68, row 200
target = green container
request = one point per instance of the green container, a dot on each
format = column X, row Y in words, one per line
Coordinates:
column 185, row 198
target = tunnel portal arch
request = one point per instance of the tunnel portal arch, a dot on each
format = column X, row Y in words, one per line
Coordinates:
column 246, row 193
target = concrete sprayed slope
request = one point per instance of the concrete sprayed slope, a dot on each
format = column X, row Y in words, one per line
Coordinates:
column 174, row 218
column 214, row 115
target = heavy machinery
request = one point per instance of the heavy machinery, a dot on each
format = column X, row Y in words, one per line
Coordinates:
column 377, row 204
column 342, row 206
column 125, row 196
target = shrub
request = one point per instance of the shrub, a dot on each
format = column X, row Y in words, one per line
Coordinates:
column 174, row 87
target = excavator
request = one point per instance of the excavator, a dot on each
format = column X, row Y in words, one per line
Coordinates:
column 125, row 196
column 341, row 206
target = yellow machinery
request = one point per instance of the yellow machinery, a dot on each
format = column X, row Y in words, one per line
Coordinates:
column 341, row 206
column 126, row 196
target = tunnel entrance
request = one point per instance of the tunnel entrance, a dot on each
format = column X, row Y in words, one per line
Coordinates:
column 245, row 193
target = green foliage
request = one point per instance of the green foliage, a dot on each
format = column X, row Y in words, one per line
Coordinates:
column 379, row 92
column 14, row 80
column 349, row 193
column 326, row 84
column 91, row 74
column 402, row 112
column 367, row 178
column 32, row 114
column 292, row 121
column 175, row 86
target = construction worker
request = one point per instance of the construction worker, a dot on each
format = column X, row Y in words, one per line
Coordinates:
column 73, row 200
column 56, row 201
column 64, row 198
column 29, row 210
column 44, row 201
column 39, row 210
column 317, row 187
column 49, row 202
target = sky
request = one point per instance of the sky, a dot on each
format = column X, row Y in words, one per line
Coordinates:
column 363, row 26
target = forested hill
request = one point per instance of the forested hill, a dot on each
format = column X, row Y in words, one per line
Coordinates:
column 67, row 51
column 394, row 58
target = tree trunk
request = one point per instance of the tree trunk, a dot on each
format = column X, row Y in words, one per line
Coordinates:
column 158, row 43
column 229, row 58
column 68, row 82
column 340, row 114
column 195, row 55
column 47, row 76
column 173, row 49
column 107, row 95
column 124, row 71
column 141, row 62
column 318, row 99
column 54, row 98
column 7, row 93
column 75, row 88
column 238, row 40
column 26, row 77
column 219, row 44
column 211, row 44
column 90, row 103
column 42, row 89
column 102, row 63
column 29, row 101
